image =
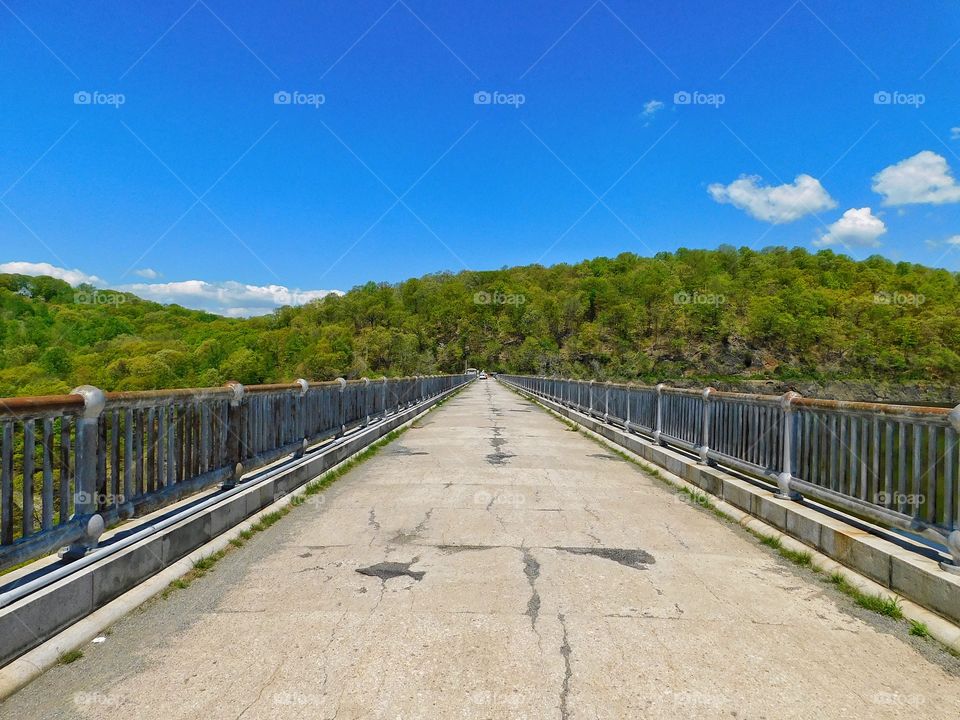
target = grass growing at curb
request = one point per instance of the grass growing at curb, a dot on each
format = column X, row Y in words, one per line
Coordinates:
column 203, row 565
column 70, row 656
column 919, row 629
column 889, row 607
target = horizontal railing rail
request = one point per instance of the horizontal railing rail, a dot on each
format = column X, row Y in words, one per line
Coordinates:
column 71, row 465
column 895, row 465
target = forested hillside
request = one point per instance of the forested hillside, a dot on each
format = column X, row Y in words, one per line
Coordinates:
column 778, row 313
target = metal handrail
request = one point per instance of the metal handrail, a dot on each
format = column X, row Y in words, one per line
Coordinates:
column 70, row 465
column 896, row 465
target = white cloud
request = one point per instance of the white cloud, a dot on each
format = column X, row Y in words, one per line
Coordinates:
column 857, row 227
column 74, row 277
column 955, row 240
column 148, row 273
column 923, row 178
column 229, row 297
column 955, row 133
column 774, row 204
column 651, row 107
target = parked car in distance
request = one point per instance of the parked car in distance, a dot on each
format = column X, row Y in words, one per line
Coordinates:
column 482, row 375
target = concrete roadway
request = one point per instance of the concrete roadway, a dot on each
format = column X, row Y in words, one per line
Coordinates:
column 492, row 563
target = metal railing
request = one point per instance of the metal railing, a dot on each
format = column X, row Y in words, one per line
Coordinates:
column 70, row 465
column 895, row 465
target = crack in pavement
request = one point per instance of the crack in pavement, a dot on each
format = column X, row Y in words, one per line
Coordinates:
column 565, row 651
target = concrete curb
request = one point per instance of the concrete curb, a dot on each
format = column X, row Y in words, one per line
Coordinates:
column 70, row 629
column 736, row 493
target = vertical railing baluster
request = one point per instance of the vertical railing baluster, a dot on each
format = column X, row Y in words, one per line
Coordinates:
column 47, row 511
column 6, row 485
column 29, row 448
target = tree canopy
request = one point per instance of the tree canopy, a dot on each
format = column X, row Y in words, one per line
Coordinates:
column 733, row 313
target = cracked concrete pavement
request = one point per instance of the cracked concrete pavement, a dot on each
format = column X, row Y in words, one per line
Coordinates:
column 492, row 563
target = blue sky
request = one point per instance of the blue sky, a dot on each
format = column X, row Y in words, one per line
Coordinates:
column 611, row 126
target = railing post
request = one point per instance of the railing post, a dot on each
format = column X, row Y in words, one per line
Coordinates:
column 704, row 448
column 341, row 411
column 952, row 540
column 302, row 428
column 367, row 397
column 786, row 472
column 85, row 487
column 629, row 392
column 386, row 410
column 590, row 398
column 606, row 402
column 658, row 426
column 236, row 448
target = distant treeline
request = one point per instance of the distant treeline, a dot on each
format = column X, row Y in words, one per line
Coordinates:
column 726, row 313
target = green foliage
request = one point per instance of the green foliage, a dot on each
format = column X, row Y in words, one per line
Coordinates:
column 726, row 313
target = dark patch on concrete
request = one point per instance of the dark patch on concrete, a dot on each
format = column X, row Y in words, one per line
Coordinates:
column 565, row 652
column 604, row 456
column 548, row 509
column 635, row 559
column 499, row 458
column 372, row 520
column 305, row 555
column 403, row 450
column 464, row 548
column 389, row 570
column 531, row 568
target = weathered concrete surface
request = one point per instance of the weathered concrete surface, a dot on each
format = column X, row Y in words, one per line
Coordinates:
column 493, row 564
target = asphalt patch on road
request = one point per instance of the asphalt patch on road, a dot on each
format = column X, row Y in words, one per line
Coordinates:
column 604, row 456
column 635, row 559
column 389, row 570
column 401, row 450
